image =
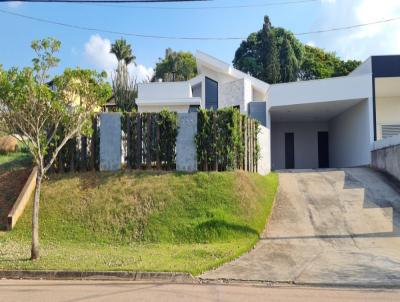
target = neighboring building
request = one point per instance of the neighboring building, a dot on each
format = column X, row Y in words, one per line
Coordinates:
column 312, row 124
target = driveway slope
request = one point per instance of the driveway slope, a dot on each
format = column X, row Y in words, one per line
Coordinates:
column 328, row 227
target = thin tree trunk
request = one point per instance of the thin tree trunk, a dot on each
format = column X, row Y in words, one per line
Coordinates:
column 35, row 219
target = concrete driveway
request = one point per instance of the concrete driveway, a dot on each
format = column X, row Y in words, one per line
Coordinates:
column 336, row 227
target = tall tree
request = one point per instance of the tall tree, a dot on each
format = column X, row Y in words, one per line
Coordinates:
column 176, row 66
column 124, row 86
column 275, row 55
column 270, row 53
column 36, row 113
column 123, row 51
column 291, row 53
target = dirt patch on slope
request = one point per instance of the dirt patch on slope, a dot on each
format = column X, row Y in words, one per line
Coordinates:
column 11, row 184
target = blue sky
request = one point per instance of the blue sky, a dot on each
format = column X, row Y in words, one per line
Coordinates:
column 90, row 49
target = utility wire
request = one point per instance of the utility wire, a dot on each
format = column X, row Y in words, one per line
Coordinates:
column 347, row 27
column 268, row 4
column 139, row 35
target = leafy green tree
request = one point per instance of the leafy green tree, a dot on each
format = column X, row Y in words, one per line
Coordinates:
column 272, row 54
column 291, row 54
column 176, row 66
column 35, row 112
column 318, row 64
column 275, row 55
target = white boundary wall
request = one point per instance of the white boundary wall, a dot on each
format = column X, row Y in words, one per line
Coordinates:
column 264, row 162
column 350, row 137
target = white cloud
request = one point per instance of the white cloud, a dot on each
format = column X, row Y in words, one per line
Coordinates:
column 311, row 43
column 97, row 52
column 14, row 4
column 383, row 38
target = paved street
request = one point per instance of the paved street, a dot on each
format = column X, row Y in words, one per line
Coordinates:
column 82, row 291
column 327, row 227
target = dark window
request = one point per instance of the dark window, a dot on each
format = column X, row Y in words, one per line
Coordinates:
column 211, row 94
column 289, row 150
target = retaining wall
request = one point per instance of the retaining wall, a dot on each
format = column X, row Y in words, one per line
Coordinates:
column 386, row 156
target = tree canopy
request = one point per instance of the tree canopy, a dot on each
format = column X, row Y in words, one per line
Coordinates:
column 123, row 51
column 318, row 64
column 176, row 66
column 275, row 55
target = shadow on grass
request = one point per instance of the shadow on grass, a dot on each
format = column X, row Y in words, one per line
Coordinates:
column 217, row 229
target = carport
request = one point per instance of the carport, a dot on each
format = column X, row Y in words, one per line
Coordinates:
column 321, row 124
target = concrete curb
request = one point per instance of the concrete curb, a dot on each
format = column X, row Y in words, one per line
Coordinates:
column 101, row 275
column 266, row 283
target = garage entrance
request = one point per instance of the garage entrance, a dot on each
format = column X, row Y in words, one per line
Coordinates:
column 332, row 134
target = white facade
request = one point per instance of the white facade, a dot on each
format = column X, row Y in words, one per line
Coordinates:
column 344, row 110
column 177, row 96
column 235, row 88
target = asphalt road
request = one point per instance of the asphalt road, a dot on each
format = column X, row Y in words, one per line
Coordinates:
column 336, row 227
column 82, row 291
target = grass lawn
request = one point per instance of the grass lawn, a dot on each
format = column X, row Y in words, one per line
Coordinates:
column 143, row 221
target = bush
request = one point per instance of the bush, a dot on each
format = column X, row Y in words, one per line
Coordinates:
column 8, row 144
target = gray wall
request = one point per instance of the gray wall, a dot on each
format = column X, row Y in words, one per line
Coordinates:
column 110, row 141
column 386, row 155
column 186, row 156
column 257, row 111
column 387, row 160
column 350, row 137
column 305, row 144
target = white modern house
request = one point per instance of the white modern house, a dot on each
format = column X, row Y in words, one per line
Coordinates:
column 309, row 124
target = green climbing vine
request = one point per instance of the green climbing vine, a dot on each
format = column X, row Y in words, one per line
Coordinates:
column 226, row 140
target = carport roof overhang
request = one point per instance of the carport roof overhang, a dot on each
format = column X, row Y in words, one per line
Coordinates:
column 311, row 112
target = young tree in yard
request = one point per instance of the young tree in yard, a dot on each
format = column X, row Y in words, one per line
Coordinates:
column 35, row 112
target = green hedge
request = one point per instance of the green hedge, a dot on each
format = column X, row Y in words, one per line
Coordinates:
column 226, row 140
column 150, row 139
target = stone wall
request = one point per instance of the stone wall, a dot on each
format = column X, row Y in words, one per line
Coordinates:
column 186, row 152
column 110, row 141
column 186, row 157
column 386, row 156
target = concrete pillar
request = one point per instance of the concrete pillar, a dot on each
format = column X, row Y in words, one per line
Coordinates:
column 110, row 141
column 186, row 155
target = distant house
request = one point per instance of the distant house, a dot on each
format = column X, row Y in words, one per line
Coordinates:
column 110, row 105
column 312, row 124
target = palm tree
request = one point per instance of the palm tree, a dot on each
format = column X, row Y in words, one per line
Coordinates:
column 123, row 51
column 124, row 87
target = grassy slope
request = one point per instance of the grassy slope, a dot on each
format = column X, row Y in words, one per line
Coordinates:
column 144, row 221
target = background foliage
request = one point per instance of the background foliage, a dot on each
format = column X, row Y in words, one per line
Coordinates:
column 176, row 66
column 275, row 55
